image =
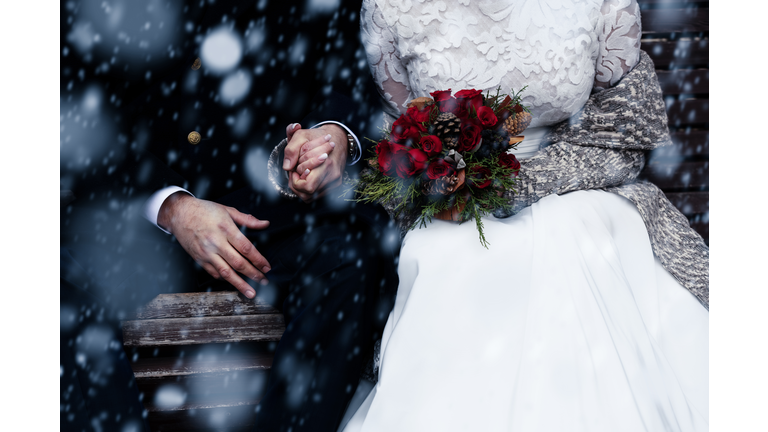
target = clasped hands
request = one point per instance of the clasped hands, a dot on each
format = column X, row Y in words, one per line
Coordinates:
column 313, row 166
column 209, row 231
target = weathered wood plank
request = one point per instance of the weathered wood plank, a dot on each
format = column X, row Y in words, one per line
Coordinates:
column 684, row 81
column 191, row 331
column 680, row 53
column 219, row 303
column 685, row 144
column 692, row 19
column 672, row 175
column 690, row 203
column 175, row 366
column 238, row 386
column 689, row 112
column 702, row 228
column 196, row 417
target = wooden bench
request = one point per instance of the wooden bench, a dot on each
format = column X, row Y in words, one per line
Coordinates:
column 201, row 359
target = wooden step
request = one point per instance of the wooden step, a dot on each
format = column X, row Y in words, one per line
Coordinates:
column 220, row 303
column 201, row 330
column 174, row 367
column 240, row 376
column 222, row 416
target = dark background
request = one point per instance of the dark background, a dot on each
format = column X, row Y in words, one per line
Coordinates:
column 129, row 96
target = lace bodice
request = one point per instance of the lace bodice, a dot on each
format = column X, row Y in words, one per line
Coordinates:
column 562, row 50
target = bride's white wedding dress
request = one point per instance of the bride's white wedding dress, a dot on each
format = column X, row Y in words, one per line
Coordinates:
column 566, row 322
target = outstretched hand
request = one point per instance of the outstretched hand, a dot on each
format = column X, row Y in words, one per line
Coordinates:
column 208, row 232
column 313, row 165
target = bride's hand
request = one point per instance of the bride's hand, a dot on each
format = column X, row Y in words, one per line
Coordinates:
column 313, row 142
column 319, row 168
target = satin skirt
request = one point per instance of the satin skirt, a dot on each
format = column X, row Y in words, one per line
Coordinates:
column 567, row 322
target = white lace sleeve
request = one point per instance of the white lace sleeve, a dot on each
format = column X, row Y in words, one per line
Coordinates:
column 619, row 40
column 389, row 74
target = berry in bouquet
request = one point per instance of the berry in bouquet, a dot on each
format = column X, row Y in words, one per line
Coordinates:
column 448, row 157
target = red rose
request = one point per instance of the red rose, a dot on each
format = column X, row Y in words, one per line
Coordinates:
column 508, row 160
column 419, row 159
column 469, row 137
column 408, row 163
column 418, row 116
column 449, row 105
column 439, row 168
column 431, row 144
column 487, row 117
column 441, row 95
column 404, row 129
column 469, row 98
column 460, row 110
column 480, row 176
column 385, row 151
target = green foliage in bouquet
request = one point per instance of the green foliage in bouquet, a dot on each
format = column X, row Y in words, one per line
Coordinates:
column 448, row 157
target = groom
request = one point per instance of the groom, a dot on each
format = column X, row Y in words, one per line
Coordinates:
column 321, row 258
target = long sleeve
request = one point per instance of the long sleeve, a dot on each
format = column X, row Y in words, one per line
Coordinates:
column 389, row 73
column 619, row 31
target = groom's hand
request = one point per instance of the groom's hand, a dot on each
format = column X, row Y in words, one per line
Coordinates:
column 207, row 231
column 315, row 159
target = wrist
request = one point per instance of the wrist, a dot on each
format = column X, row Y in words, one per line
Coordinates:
column 170, row 208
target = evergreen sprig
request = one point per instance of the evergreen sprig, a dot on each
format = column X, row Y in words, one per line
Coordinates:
column 474, row 202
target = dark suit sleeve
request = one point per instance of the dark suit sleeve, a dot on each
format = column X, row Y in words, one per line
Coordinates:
column 361, row 117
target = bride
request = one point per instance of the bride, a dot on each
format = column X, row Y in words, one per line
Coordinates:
column 588, row 311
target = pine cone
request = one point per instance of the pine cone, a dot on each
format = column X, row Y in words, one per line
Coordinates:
column 451, row 142
column 447, row 125
column 445, row 185
column 517, row 123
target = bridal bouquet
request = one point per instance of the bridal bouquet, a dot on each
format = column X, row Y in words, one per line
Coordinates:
column 449, row 157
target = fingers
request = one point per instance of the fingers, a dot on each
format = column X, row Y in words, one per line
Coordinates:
column 301, row 143
column 226, row 273
column 299, row 186
column 246, row 219
column 246, row 259
column 308, row 188
column 291, row 129
column 315, row 157
column 315, row 143
column 291, row 151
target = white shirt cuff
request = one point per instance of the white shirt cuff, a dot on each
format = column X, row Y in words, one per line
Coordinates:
column 357, row 141
column 153, row 204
